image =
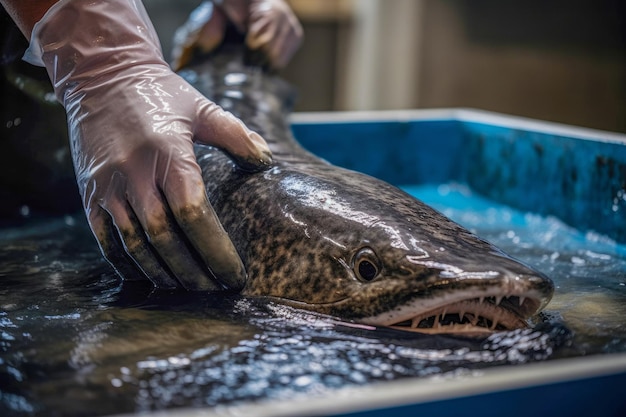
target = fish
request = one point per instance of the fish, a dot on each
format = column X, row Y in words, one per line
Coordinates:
column 334, row 241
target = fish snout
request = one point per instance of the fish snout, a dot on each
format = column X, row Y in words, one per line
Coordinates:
column 495, row 273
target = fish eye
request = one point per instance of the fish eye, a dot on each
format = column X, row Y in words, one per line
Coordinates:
column 366, row 265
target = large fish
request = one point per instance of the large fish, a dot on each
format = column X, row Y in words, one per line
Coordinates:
column 323, row 238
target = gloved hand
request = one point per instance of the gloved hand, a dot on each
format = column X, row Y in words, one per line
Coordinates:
column 131, row 124
column 270, row 25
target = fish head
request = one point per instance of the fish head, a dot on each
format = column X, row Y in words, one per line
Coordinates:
column 363, row 250
column 447, row 284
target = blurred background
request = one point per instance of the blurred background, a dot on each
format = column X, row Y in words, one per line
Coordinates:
column 562, row 61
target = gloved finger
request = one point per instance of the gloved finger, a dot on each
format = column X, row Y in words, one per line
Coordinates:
column 169, row 241
column 236, row 11
column 111, row 246
column 130, row 233
column 275, row 30
column 284, row 48
column 220, row 128
column 272, row 42
column 260, row 33
column 275, row 41
column 185, row 194
column 125, row 248
column 212, row 33
column 204, row 30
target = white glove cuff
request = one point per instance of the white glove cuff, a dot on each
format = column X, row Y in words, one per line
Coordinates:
column 33, row 54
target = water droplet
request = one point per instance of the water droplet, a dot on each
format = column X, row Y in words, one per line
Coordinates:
column 303, row 381
column 25, row 211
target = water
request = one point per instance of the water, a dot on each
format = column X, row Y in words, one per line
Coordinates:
column 74, row 341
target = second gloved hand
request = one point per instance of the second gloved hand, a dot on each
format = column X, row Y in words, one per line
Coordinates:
column 132, row 123
column 269, row 25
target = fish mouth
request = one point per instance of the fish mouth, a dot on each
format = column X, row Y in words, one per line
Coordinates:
column 470, row 316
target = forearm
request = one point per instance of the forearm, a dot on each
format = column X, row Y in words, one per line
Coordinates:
column 25, row 13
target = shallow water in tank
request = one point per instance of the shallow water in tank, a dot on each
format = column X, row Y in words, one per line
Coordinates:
column 74, row 341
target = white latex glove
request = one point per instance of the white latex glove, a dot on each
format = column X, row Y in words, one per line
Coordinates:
column 131, row 125
column 270, row 26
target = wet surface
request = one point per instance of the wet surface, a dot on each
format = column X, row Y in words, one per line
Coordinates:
column 74, row 341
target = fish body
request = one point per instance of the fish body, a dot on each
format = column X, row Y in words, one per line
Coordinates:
column 326, row 239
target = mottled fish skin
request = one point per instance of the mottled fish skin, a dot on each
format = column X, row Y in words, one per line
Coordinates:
column 303, row 227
